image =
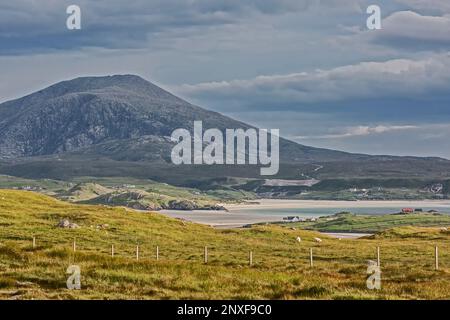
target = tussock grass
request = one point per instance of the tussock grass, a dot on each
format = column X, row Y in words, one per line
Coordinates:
column 280, row 271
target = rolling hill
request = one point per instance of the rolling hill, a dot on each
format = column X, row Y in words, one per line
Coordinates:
column 280, row 270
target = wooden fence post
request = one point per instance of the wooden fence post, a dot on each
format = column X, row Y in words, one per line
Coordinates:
column 137, row 252
column 311, row 257
column 74, row 245
column 34, row 242
column 250, row 257
column 157, row 253
column 378, row 257
column 436, row 258
column 112, row 251
column 206, row 254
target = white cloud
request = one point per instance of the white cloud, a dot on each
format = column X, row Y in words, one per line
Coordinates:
column 423, row 139
column 393, row 78
column 359, row 131
column 411, row 26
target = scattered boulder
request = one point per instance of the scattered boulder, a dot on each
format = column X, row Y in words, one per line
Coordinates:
column 103, row 226
column 298, row 239
column 372, row 263
column 318, row 240
column 183, row 221
column 66, row 224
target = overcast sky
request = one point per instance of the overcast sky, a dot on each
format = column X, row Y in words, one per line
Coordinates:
column 308, row 67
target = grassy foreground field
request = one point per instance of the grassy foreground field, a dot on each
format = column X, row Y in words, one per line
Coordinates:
column 280, row 267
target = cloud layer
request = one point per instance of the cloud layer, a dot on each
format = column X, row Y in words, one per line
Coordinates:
column 39, row 26
column 358, row 131
column 399, row 78
column 308, row 67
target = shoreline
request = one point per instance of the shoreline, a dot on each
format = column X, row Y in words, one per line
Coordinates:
column 221, row 219
column 303, row 204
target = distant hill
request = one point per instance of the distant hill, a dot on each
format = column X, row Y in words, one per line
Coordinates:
column 120, row 126
column 83, row 192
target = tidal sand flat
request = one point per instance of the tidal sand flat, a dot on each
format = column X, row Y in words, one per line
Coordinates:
column 269, row 210
column 302, row 204
column 318, row 208
column 221, row 219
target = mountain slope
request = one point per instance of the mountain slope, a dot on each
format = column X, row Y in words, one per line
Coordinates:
column 87, row 111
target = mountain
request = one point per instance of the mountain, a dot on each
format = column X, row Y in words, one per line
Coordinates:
column 92, row 111
column 83, row 112
column 121, row 125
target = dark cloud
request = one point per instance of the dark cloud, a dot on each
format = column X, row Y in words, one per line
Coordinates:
column 39, row 26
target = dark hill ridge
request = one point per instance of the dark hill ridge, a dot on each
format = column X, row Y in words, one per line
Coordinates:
column 95, row 125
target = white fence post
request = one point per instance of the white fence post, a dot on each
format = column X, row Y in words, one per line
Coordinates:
column 436, row 258
column 378, row 257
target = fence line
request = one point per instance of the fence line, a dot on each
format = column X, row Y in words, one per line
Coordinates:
column 250, row 253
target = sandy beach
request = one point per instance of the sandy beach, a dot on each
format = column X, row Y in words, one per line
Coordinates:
column 221, row 219
column 299, row 204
